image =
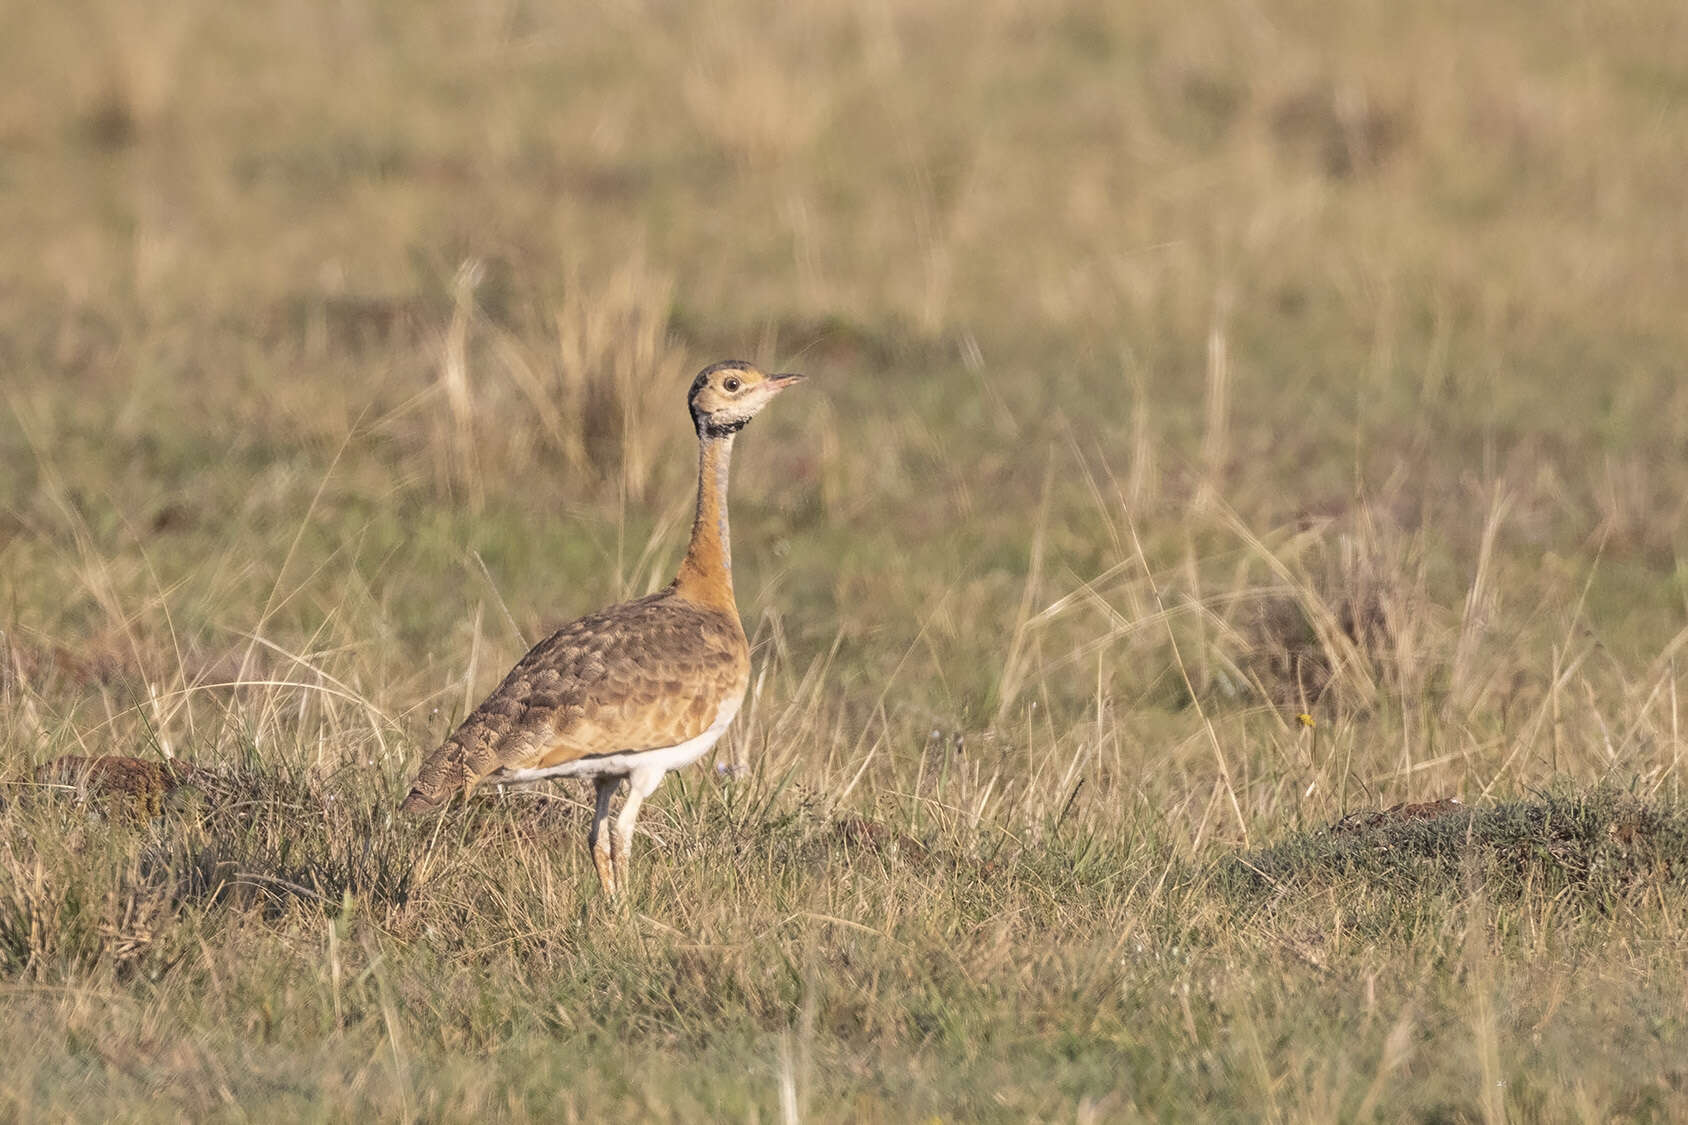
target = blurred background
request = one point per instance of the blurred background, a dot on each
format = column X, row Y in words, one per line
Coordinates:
column 1222, row 417
column 1346, row 342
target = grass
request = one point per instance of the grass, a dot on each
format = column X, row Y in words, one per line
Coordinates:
column 1175, row 374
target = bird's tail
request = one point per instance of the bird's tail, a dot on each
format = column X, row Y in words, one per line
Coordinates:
column 418, row 802
column 450, row 770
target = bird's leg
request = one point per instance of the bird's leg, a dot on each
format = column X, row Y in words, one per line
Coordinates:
column 600, row 838
column 640, row 784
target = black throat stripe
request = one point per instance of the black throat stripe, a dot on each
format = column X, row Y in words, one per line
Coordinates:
column 722, row 429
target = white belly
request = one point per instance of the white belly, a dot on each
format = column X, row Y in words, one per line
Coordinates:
column 624, row 762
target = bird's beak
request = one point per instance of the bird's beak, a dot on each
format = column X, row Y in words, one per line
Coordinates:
column 781, row 382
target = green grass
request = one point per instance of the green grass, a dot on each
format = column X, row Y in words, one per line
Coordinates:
column 1174, row 373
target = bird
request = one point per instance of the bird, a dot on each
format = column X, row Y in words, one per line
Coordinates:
column 637, row 690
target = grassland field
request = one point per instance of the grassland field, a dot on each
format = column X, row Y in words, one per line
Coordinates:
column 1226, row 422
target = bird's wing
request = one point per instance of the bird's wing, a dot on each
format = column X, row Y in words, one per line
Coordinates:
column 643, row 675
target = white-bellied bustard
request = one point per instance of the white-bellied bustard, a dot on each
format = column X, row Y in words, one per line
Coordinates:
column 635, row 690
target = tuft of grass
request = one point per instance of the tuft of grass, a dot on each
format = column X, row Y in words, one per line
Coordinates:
column 590, row 398
column 150, row 870
column 1600, row 849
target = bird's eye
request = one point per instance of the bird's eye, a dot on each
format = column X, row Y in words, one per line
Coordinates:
column 731, row 384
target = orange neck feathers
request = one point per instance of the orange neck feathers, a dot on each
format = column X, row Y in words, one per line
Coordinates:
column 706, row 573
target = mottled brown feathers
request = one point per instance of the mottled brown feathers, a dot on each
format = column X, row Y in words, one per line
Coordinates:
column 627, row 694
column 645, row 674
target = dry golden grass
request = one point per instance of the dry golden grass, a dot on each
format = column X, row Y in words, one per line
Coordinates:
column 1177, row 373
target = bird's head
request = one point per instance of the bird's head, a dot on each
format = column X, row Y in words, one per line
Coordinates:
column 726, row 396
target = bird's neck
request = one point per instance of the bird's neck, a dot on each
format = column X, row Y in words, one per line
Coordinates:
column 706, row 573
